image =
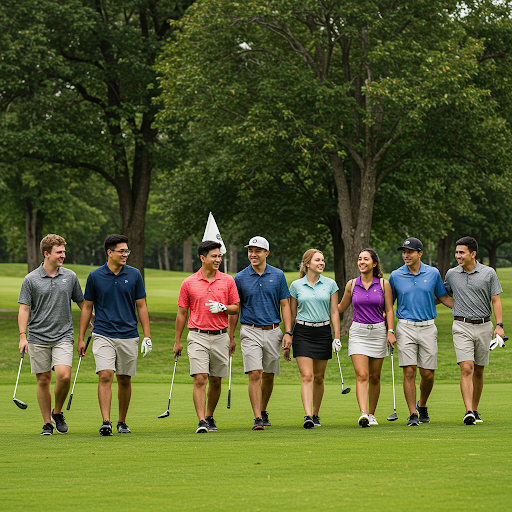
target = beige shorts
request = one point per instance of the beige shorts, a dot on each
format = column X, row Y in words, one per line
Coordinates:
column 115, row 354
column 261, row 348
column 208, row 353
column 472, row 341
column 44, row 357
column 417, row 344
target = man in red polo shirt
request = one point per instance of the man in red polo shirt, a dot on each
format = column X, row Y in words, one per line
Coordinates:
column 211, row 296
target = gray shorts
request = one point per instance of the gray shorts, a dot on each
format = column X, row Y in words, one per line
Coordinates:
column 115, row 354
column 44, row 357
column 472, row 341
column 261, row 348
column 208, row 353
column 368, row 339
column 416, row 343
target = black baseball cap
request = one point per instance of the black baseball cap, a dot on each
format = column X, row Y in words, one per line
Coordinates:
column 413, row 244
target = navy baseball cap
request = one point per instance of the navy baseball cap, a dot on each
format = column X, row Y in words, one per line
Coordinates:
column 413, row 244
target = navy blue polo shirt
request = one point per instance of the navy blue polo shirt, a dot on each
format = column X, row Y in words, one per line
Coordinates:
column 416, row 293
column 260, row 295
column 114, row 299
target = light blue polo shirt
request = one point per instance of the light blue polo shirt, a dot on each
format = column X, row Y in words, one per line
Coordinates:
column 314, row 303
column 416, row 293
column 260, row 296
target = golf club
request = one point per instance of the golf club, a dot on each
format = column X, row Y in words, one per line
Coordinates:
column 394, row 416
column 229, row 389
column 76, row 375
column 166, row 413
column 19, row 403
column 346, row 390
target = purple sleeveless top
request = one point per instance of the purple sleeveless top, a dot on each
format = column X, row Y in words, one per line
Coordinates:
column 368, row 304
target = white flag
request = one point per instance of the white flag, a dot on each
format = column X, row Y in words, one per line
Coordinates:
column 212, row 233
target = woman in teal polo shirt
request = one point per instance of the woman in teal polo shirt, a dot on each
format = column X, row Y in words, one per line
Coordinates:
column 314, row 305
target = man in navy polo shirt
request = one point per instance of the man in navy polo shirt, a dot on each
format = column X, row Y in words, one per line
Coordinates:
column 262, row 290
column 115, row 290
column 415, row 287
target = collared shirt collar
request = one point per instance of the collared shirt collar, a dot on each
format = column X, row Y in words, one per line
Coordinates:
column 42, row 271
column 359, row 283
column 106, row 270
column 252, row 271
column 477, row 268
column 420, row 271
column 200, row 277
column 305, row 281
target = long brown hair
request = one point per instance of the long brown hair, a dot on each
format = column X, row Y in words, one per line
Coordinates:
column 306, row 258
column 377, row 270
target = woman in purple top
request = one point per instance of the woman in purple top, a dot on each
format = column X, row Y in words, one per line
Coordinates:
column 368, row 338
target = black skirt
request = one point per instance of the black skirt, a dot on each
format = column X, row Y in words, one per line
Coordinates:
column 313, row 342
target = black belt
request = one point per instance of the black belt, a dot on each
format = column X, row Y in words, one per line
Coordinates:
column 222, row 331
column 469, row 321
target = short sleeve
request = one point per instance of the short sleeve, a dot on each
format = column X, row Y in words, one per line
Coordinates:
column 495, row 284
column 184, row 299
column 293, row 290
column 440, row 290
column 334, row 287
column 90, row 289
column 140, row 289
column 77, row 294
column 25, row 293
column 233, row 297
column 391, row 282
column 447, row 286
column 284, row 292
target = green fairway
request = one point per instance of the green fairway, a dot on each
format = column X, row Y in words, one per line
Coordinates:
column 163, row 464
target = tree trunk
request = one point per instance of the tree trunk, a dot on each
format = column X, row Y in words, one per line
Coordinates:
column 493, row 251
column 444, row 249
column 175, row 250
column 187, row 255
column 76, row 257
column 233, row 259
column 33, row 236
column 166, row 257
column 160, row 265
column 339, row 255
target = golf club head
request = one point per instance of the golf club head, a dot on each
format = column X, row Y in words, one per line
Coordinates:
column 393, row 417
column 345, row 391
column 19, row 403
column 164, row 415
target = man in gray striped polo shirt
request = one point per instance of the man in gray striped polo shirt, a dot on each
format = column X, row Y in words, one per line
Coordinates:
column 474, row 288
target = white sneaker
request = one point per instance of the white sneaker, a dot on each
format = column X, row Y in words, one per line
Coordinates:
column 364, row 420
column 372, row 420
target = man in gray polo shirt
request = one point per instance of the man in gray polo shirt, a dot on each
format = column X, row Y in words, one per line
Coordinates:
column 474, row 288
column 45, row 310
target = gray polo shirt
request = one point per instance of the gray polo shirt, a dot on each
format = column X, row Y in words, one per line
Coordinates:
column 49, row 298
column 472, row 292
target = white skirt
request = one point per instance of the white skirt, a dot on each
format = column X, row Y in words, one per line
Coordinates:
column 368, row 339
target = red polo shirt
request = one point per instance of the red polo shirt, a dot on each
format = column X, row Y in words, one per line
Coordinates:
column 196, row 291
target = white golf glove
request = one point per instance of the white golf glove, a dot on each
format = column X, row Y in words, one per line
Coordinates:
column 146, row 347
column 215, row 307
column 336, row 345
column 496, row 341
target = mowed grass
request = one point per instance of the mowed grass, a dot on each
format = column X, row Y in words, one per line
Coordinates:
column 164, row 465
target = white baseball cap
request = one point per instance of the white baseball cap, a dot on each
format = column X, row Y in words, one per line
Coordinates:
column 259, row 241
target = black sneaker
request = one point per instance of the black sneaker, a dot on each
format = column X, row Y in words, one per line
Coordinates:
column 469, row 418
column 212, row 427
column 106, row 429
column 264, row 417
column 422, row 413
column 316, row 421
column 258, row 424
column 477, row 417
column 60, row 424
column 202, row 428
column 122, row 428
column 414, row 421
column 308, row 422
column 47, row 429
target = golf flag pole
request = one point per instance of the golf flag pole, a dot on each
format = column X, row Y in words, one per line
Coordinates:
column 212, row 232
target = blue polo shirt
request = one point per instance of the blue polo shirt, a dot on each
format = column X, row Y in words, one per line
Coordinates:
column 416, row 293
column 114, row 299
column 260, row 295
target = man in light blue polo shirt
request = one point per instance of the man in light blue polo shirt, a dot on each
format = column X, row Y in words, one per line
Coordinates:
column 415, row 287
column 262, row 290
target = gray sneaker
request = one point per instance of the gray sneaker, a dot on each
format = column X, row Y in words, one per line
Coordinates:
column 469, row 418
column 258, row 424
column 422, row 413
column 122, row 428
column 212, row 427
column 477, row 417
column 414, row 421
column 264, row 417
column 202, row 427
column 60, row 425
column 47, row 429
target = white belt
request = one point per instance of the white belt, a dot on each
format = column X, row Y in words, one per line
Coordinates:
column 417, row 324
column 314, row 324
column 370, row 326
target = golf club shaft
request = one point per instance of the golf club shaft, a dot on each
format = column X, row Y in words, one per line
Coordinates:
column 76, row 374
column 172, row 381
column 393, row 376
column 229, row 387
column 19, row 371
column 339, row 366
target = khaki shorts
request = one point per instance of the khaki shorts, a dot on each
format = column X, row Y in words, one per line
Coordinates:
column 472, row 341
column 44, row 357
column 416, row 344
column 208, row 353
column 115, row 354
column 261, row 348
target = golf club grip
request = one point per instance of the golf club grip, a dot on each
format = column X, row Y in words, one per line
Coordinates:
column 229, row 399
column 69, row 402
column 87, row 344
column 23, row 353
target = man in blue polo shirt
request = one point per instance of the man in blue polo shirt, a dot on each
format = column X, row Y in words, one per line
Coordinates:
column 114, row 291
column 262, row 290
column 415, row 287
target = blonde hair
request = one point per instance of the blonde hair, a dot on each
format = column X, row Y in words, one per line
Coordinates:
column 306, row 258
column 50, row 241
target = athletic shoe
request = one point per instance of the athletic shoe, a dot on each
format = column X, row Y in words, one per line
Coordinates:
column 212, row 427
column 372, row 420
column 47, row 429
column 106, row 429
column 414, row 421
column 316, row 421
column 422, row 413
column 202, row 428
column 308, row 422
column 477, row 417
column 60, row 424
column 122, row 428
column 264, row 417
column 258, row 424
column 469, row 418
column 363, row 420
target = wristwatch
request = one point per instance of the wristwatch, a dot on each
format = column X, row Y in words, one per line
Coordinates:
column 500, row 324
column 391, row 331
column 289, row 332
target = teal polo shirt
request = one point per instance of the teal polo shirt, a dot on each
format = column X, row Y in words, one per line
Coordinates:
column 314, row 303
